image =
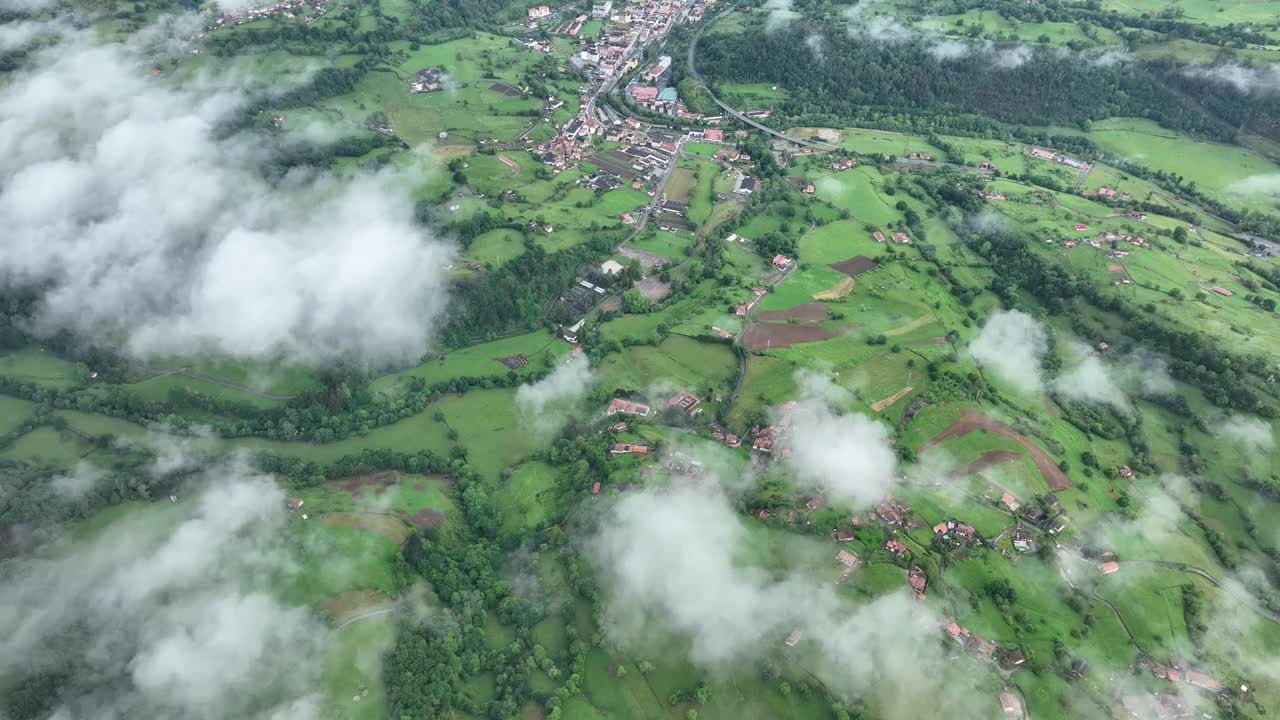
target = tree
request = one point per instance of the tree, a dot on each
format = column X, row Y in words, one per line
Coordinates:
column 635, row 302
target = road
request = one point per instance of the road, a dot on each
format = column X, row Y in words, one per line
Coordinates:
column 366, row 615
column 217, row 381
column 693, row 70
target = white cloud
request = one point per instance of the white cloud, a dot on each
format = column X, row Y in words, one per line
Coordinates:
column 149, row 228
column 544, row 404
column 1012, row 58
column 167, row 619
column 780, row 14
column 1244, row 78
column 817, row 45
column 1266, row 184
column 1090, row 380
column 1249, row 433
column 1011, row 345
column 848, row 457
column 944, row 50
column 676, row 561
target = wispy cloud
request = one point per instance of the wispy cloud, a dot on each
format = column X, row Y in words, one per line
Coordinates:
column 143, row 225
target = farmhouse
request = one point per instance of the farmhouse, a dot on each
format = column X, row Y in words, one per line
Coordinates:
column 1022, row 541
column 713, row 135
column 782, row 262
column 1222, row 291
column 675, row 207
column 570, row 334
column 626, row 407
column 847, row 559
column 926, row 157
column 918, row 581
column 295, row 503
column 1041, row 153
column 611, row 267
column 895, row 548
column 879, row 236
column 901, row 238
column 892, row 512
column 427, row 80
column 792, row 639
column 1009, row 501
column 539, row 12
column 595, row 488
column 746, row 185
column 1010, row 705
column 628, row 449
column 687, row 403
column 1124, row 471
column 1108, row 566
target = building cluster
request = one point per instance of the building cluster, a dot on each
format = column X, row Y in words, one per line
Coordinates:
column 743, row 307
column 287, row 9
column 900, row 238
column 969, row 640
column 1045, row 514
column 769, row 438
column 956, row 533
column 427, row 80
column 1180, row 671
column 1060, row 158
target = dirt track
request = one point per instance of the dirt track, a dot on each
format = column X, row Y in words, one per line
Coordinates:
column 972, row 420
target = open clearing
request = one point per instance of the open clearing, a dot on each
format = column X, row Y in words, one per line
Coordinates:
column 972, row 420
column 880, row 405
column 839, row 291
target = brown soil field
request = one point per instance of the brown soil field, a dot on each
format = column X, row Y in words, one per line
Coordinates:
column 761, row 336
column 514, row 361
column 973, row 420
column 854, row 266
column 423, row 519
column 1115, row 268
column 837, row 291
column 985, row 460
column 809, row 312
column 880, row 405
column 505, row 89
column 376, row 482
column 388, row 526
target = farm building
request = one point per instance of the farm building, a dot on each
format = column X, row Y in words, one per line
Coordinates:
column 626, row 407
column 427, row 80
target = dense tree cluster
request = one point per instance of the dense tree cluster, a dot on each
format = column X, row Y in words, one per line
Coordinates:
column 896, row 80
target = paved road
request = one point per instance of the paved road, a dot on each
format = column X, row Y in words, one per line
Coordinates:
column 217, row 381
column 693, row 70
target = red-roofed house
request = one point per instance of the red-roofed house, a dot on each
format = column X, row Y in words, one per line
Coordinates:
column 847, row 558
column 1108, row 567
column 295, row 503
column 628, row 449
column 595, row 488
column 1009, row 501
column 941, row 528
column 644, row 93
column 1222, row 291
column 713, row 135
column 896, row 548
column 918, row 581
column 626, row 407
column 879, row 236
column 1041, row 153
column 537, row 13
column 781, row 261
